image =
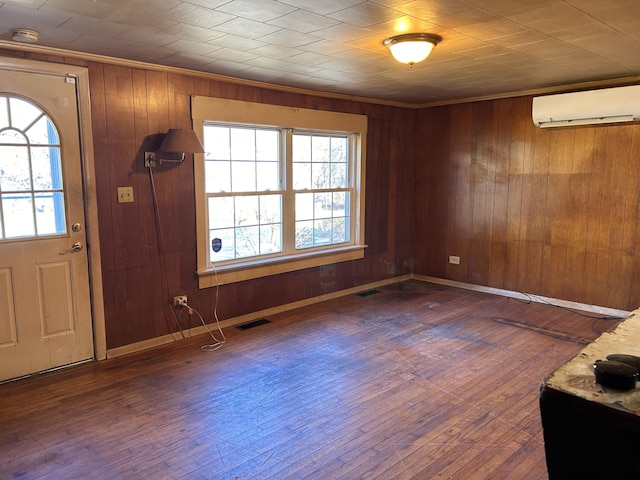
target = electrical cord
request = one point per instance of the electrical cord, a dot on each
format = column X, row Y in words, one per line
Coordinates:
column 594, row 318
column 216, row 343
column 162, row 252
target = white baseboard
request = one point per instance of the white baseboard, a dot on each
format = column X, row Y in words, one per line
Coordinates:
column 242, row 319
column 610, row 312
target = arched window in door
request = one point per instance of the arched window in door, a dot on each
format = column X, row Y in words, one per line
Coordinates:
column 31, row 191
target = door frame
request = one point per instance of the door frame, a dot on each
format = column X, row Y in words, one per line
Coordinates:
column 89, row 185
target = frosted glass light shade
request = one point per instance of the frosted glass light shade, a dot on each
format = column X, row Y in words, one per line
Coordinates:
column 411, row 48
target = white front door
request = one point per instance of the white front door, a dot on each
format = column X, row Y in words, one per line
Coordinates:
column 45, row 304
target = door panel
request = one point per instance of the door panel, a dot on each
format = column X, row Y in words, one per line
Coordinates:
column 45, row 309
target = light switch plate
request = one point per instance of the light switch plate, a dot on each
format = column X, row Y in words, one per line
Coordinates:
column 125, row 194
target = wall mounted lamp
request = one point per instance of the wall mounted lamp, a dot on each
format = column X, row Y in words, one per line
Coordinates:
column 411, row 48
column 177, row 142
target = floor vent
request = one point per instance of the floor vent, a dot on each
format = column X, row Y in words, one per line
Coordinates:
column 253, row 324
column 366, row 293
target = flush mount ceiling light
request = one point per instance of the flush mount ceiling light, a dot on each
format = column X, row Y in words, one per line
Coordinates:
column 24, row 35
column 411, row 48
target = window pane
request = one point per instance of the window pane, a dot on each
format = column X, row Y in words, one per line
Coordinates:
column 227, row 237
column 339, row 231
column 43, row 133
column 320, row 175
column 267, row 145
column 321, row 149
column 17, row 209
column 304, row 206
column 243, row 177
column 339, row 149
column 14, row 168
column 50, row 218
column 270, row 209
column 217, row 143
column 221, row 212
column 302, row 176
column 323, row 205
column 301, row 148
column 243, row 144
column 247, row 211
column 247, row 241
column 217, row 176
column 338, row 175
column 339, row 207
column 322, row 232
column 47, row 171
column 12, row 136
column 304, row 234
column 270, row 239
column 268, row 176
column 23, row 113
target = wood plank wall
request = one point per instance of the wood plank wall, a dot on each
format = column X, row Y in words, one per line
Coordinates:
column 130, row 107
column 552, row 212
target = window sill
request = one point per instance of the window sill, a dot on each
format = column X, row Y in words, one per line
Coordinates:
column 237, row 273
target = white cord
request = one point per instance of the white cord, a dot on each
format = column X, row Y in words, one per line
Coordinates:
column 217, row 343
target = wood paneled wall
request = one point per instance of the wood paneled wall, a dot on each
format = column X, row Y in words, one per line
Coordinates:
column 552, row 212
column 549, row 212
column 130, row 108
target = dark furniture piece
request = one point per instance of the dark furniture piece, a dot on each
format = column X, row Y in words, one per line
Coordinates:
column 590, row 431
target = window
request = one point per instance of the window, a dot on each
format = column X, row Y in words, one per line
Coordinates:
column 278, row 188
column 31, row 193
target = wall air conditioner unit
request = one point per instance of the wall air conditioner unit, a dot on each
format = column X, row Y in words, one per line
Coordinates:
column 609, row 105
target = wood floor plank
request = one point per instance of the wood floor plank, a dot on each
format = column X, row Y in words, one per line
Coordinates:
column 415, row 381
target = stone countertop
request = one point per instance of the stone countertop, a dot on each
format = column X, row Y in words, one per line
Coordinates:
column 576, row 377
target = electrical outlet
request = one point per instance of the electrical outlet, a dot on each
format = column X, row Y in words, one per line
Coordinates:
column 180, row 300
column 454, row 259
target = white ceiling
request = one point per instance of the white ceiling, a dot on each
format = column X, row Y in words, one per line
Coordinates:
column 489, row 47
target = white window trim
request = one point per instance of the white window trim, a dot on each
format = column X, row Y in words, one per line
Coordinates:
column 234, row 111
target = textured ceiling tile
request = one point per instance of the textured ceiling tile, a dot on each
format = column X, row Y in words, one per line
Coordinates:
column 434, row 9
column 237, row 42
column 12, row 16
column 276, row 51
column 303, row 22
column 289, row 38
column 232, row 55
column 92, row 26
column 309, row 58
column 101, row 11
column 257, row 10
column 193, row 47
column 248, row 28
column 191, row 32
column 366, row 14
column 324, row 47
column 550, row 16
column 224, row 67
column 200, row 16
column 342, row 33
column 321, row 7
column 488, row 47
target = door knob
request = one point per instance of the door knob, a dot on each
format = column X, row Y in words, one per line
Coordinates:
column 76, row 247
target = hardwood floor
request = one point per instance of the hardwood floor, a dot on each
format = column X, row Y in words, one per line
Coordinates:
column 417, row 381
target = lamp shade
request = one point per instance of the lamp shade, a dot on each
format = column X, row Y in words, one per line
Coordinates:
column 181, row 140
column 411, row 48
